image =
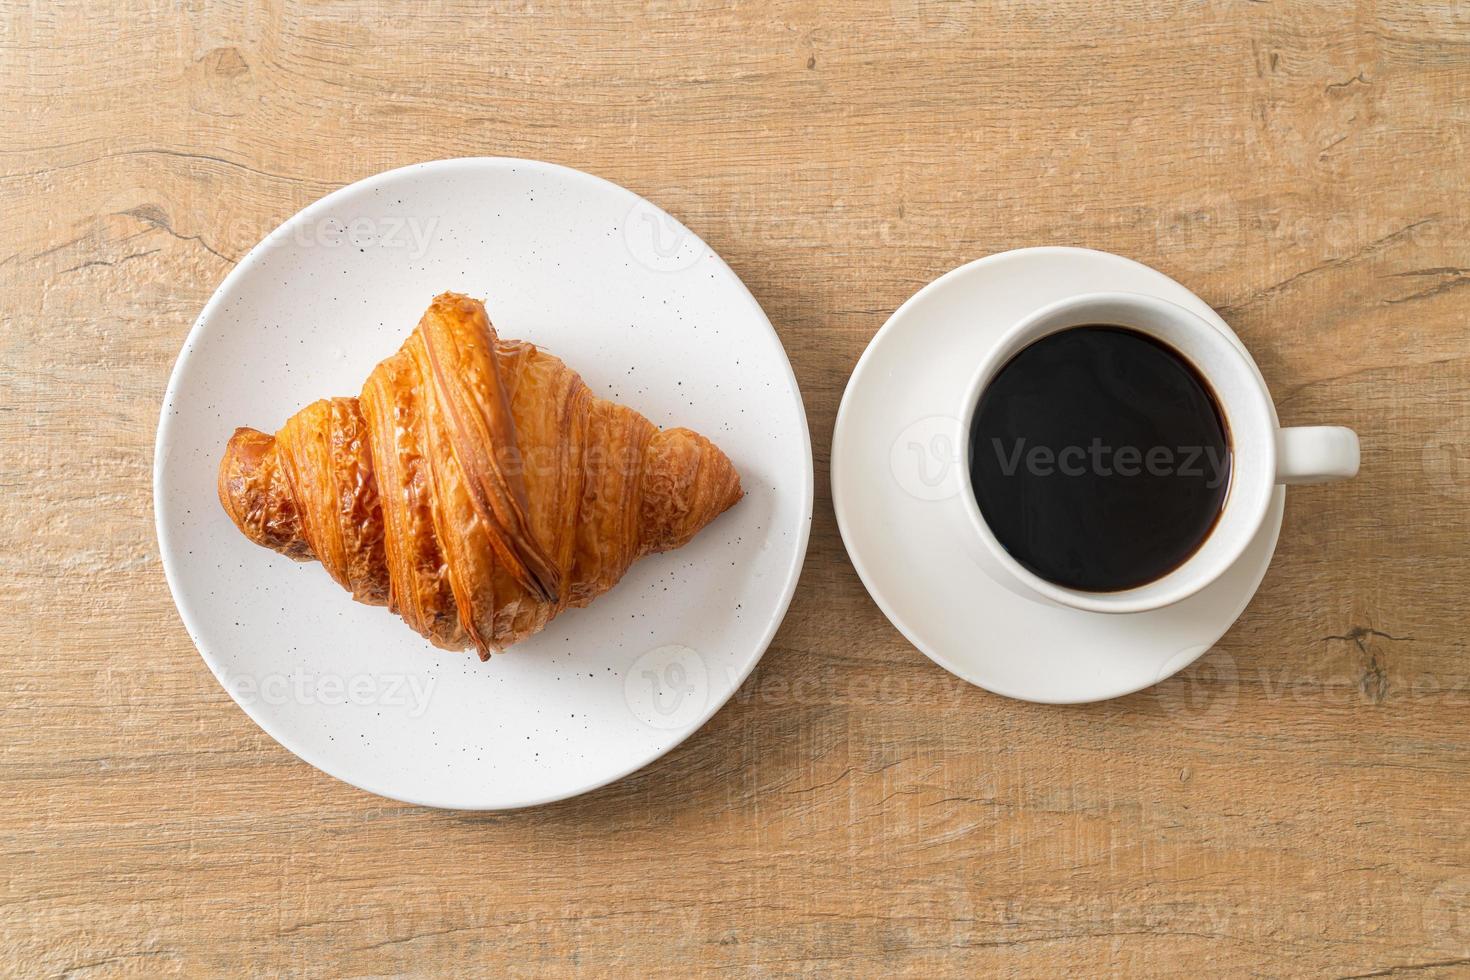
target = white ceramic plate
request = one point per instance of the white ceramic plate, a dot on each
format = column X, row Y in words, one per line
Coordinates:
column 894, row 466
column 649, row 316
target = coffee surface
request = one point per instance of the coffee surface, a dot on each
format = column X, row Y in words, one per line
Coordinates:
column 1099, row 458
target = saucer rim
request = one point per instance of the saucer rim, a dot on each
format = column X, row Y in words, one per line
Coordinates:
column 1270, row 527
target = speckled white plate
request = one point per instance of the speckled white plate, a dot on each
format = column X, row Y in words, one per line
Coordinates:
column 649, row 316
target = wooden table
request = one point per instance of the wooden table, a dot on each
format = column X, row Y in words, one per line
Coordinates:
column 1295, row 803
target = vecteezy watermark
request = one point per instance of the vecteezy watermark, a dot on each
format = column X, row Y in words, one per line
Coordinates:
column 658, row 242
column 1362, row 666
column 925, row 459
column 1099, row 459
column 936, row 18
column 409, row 692
column 667, row 687
column 411, row 234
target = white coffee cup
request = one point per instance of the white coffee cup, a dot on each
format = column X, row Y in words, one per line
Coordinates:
column 1263, row 454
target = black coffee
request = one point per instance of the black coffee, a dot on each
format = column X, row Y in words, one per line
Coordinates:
column 1099, row 458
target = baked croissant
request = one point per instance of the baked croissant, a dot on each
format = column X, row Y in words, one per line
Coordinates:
column 476, row 487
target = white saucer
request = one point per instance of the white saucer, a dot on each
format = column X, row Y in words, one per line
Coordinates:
column 893, row 468
column 648, row 315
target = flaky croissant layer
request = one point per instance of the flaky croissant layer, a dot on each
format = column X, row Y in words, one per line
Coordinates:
column 476, row 486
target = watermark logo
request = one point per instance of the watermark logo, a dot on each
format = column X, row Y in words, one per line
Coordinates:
column 658, row 242
column 667, row 687
column 409, row 693
column 1203, row 694
column 1209, row 229
column 1447, row 916
column 1446, row 460
column 925, row 458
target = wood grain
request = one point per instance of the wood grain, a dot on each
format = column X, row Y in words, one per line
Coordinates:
column 1296, row 803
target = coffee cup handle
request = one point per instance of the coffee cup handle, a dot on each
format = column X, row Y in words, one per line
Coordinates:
column 1316, row 454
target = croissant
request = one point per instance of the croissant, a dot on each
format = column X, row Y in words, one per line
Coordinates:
column 476, row 486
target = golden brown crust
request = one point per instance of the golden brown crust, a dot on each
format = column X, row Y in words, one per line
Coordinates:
column 477, row 486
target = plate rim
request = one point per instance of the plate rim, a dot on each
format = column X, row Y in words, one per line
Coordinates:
column 163, row 433
column 1272, row 526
